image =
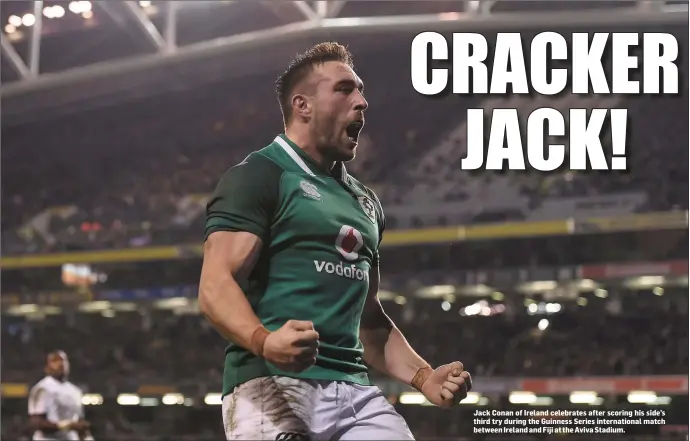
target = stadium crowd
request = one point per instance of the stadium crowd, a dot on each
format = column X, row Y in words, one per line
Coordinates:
column 121, row 352
column 161, row 346
column 135, row 173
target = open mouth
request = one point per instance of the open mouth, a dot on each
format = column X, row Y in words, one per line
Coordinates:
column 353, row 130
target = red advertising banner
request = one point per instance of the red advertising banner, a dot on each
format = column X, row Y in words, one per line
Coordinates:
column 673, row 267
column 668, row 384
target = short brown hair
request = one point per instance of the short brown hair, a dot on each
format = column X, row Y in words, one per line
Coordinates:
column 302, row 65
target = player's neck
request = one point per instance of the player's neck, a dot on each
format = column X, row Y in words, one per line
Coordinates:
column 308, row 146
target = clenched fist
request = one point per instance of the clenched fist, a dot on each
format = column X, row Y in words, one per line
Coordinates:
column 447, row 385
column 293, row 347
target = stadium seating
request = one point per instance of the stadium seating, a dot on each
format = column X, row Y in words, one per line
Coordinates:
column 129, row 170
column 136, row 347
column 111, row 354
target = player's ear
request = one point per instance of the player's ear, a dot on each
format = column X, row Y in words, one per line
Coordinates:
column 301, row 105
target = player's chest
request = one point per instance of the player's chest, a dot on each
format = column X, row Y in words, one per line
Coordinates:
column 323, row 206
column 66, row 400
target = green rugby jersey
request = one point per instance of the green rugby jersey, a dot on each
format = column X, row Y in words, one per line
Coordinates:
column 321, row 233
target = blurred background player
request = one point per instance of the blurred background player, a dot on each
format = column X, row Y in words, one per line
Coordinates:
column 55, row 404
column 291, row 276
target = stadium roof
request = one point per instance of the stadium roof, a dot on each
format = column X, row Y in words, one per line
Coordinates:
column 64, row 52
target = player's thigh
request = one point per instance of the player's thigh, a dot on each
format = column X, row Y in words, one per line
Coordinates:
column 269, row 408
column 375, row 418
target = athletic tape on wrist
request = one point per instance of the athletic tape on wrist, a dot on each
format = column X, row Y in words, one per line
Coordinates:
column 259, row 340
column 420, row 377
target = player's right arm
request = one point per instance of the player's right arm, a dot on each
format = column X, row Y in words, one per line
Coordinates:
column 229, row 256
column 238, row 221
column 39, row 402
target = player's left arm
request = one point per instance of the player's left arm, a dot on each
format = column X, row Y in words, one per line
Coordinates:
column 83, row 427
column 385, row 347
column 85, row 432
column 387, row 350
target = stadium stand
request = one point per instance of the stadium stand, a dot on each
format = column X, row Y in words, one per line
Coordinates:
column 125, row 350
column 133, row 195
column 141, row 347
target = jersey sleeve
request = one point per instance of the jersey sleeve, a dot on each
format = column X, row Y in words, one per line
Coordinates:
column 39, row 401
column 80, row 396
column 246, row 198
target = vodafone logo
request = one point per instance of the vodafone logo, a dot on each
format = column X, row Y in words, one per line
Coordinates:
column 349, row 242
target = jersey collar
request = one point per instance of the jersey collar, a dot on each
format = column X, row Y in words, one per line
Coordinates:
column 306, row 163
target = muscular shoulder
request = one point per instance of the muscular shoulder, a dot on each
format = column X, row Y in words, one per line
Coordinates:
column 39, row 391
column 46, row 384
column 246, row 197
column 42, row 392
column 255, row 172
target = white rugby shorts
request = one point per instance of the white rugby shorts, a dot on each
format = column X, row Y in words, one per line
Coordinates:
column 289, row 409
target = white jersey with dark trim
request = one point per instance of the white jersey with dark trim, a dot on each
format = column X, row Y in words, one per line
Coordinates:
column 58, row 401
